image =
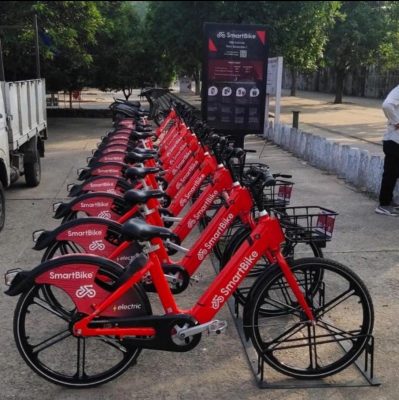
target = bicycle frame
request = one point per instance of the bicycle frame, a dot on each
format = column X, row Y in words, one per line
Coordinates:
column 265, row 240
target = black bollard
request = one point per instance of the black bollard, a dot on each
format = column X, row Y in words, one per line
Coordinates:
column 295, row 119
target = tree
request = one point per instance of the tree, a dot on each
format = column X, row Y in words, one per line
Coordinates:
column 389, row 48
column 176, row 26
column 297, row 30
column 67, row 30
column 115, row 53
column 356, row 39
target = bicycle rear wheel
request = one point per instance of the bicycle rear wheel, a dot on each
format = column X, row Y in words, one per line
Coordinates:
column 46, row 342
column 292, row 345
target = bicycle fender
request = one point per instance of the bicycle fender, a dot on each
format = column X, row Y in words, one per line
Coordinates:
column 94, row 228
column 87, row 281
column 24, row 280
column 110, row 184
column 94, row 204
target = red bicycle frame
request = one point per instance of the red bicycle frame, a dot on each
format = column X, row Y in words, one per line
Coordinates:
column 265, row 240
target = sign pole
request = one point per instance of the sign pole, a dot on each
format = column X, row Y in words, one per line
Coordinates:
column 35, row 27
column 278, row 90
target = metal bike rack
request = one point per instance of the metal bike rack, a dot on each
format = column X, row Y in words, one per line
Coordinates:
column 267, row 378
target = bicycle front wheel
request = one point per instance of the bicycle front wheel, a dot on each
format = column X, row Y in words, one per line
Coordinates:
column 284, row 337
column 240, row 236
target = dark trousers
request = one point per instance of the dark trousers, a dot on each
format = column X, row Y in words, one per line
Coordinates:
column 391, row 171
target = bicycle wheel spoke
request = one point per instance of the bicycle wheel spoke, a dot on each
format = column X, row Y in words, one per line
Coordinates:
column 283, row 288
column 113, row 343
column 337, row 331
column 335, row 302
column 281, row 306
column 51, row 341
column 81, row 358
column 50, row 308
column 285, row 336
column 312, row 347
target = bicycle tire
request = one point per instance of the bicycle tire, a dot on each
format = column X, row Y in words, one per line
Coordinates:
column 244, row 288
column 344, row 317
column 29, row 320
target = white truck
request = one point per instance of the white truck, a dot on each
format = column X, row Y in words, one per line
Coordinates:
column 23, row 129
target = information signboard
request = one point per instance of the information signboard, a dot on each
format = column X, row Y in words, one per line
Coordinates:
column 234, row 77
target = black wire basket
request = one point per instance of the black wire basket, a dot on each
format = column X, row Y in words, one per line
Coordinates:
column 307, row 223
column 277, row 196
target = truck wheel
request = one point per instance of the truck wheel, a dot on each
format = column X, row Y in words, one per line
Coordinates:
column 33, row 172
column 2, row 207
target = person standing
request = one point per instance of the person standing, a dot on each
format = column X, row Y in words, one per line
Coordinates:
column 391, row 151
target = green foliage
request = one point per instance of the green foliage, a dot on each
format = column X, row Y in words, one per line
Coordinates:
column 176, row 27
column 389, row 48
column 356, row 39
column 70, row 28
column 124, row 44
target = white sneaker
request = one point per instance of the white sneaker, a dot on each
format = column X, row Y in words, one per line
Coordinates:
column 387, row 210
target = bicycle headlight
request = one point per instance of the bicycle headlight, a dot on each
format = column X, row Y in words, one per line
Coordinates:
column 36, row 235
column 56, row 205
column 10, row 275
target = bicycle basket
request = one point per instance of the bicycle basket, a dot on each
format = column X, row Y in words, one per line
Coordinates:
column 307, row 223
column 278, row 195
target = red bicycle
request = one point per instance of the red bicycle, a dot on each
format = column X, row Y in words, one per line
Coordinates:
column 302, row 325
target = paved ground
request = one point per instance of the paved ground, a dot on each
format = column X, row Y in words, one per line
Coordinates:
column 358, row 121
column 218, row 367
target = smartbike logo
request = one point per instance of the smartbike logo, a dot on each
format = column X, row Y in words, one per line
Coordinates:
column 70, row 276
column 181, row 163
column 108, row 171
column 225, row 292
column 232, row 35
column 97, row 245
column 92, row 205
column 206, row 204
column 105, row 215
column 99, row 185
column 188, row 173
column 85, row 291
column 212, row 241
column 188, row 195
column 87, row 232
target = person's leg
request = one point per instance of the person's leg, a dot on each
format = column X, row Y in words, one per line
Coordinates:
column 391, row 172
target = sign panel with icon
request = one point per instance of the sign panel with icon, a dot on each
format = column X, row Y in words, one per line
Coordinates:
column 234, row 77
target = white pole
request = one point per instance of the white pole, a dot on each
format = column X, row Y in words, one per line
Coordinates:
column 278, row 90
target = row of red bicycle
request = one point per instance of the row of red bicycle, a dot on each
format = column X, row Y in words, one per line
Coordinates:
column 85, row 313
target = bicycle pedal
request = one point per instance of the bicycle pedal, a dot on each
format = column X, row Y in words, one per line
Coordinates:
column 217, row 327
column 195, row 278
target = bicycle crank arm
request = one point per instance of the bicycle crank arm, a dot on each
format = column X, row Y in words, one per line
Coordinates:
column 175, row 246
column 171, row 219
column 216, row 326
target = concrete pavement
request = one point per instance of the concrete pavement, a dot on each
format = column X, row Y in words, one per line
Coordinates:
column 218, row 367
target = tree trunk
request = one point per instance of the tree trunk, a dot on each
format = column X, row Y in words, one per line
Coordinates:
column 127, row 93
column 363, row 78
column 339, row 85
column 197, row 82
column 294, row 75
column 70, row 99
column 317, row 86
